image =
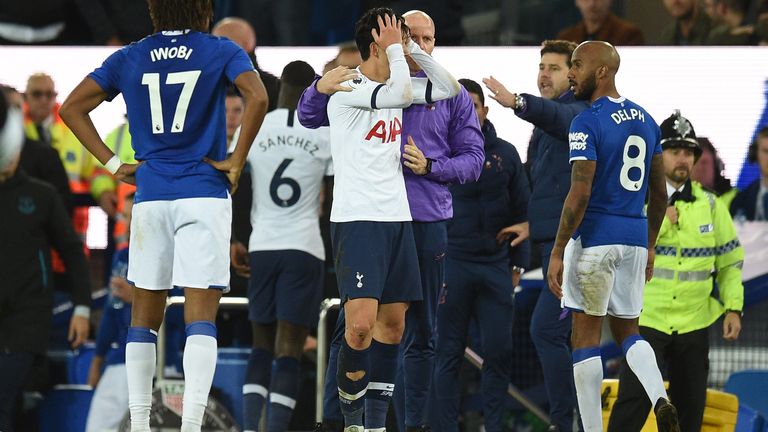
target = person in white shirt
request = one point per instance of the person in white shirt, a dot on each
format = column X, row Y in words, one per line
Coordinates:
column 375, row 255
column 288, row 163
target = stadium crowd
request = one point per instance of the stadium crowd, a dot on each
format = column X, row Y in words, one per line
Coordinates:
column 481, row 219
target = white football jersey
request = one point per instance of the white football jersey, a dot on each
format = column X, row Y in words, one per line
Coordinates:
column 288, row 163
column 365, row 144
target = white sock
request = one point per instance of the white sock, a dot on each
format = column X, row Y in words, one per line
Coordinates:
column 588, row 376
column 140, row 362
column 642, row 361
column 199, row 365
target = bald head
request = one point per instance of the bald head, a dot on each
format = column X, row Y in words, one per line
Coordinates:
column 239, row 31
column 418, row 18
column 593, row 70
column 599, row 53
column 422, row 29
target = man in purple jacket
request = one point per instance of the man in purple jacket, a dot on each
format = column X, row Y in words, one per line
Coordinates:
column 448, row 133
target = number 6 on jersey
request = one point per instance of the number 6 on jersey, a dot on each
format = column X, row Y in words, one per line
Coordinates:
column 152, row 80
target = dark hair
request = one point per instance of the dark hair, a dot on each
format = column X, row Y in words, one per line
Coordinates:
column 296, row 77
column 232, row 91
column 298, row 74
column 367, row 22
column 752, row 152
column 181, row 14
column 473, row 87
column 555, row 46
column 722, row 184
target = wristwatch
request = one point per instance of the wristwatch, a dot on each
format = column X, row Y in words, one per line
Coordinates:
column 519, row 270
column 429, row 166
column 519, row 103
column 736, row 311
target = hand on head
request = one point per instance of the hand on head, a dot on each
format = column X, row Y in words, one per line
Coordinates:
column 389, row 32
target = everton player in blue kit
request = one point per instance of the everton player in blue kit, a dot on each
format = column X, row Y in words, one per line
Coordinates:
column 173, row 83
column 605, row 241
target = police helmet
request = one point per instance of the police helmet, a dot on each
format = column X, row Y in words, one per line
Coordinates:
column 677, row 132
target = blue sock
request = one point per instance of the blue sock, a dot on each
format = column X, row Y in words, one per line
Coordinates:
column 351, row 393
column 255, row 389
column 382, row 385
column 283, row 390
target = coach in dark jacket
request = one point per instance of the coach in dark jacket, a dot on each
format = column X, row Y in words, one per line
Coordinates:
column 32, row 220
column 479, row 273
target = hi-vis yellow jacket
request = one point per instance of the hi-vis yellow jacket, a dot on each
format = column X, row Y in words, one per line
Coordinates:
column 703, row 241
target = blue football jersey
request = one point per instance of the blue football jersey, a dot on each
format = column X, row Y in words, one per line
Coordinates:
column 174, row 87
column 622, row 138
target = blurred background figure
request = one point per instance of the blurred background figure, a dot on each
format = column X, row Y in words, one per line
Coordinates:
column 34, row 220
column 691, row 26
column 599, row 23
column 708, row 171
column 752, row 203
column 731, row 24
column 107, row 374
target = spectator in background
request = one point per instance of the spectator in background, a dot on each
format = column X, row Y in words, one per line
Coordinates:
column 550, row 173
column 696, row 236
column 599, row 23
column 733, row 27
column 116, row 22
column 110, row 399
column 34, row 219
column 752, row 203
column 42, row 123
column 39, row 160
column 241, row 33
column 348, row 56
column 110, row 193
column 233, row 106
column 708, row 171
column 691, row 27
column 482, row 269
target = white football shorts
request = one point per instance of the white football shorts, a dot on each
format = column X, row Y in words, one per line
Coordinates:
column 184, row 243
column 604, row 279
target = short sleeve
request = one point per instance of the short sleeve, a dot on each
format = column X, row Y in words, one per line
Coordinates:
column 107, row 76
column 238, row 61
column 657, row 146
column 582, row 138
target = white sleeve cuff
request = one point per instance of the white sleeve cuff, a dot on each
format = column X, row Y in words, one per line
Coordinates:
column 82, row 311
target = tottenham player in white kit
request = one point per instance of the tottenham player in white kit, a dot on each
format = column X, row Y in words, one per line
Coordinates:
column 173, row 83
column 373, row 246
column 288, row 162
column 604, row 249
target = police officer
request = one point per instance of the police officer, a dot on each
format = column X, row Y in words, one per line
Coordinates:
column 697, row 235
